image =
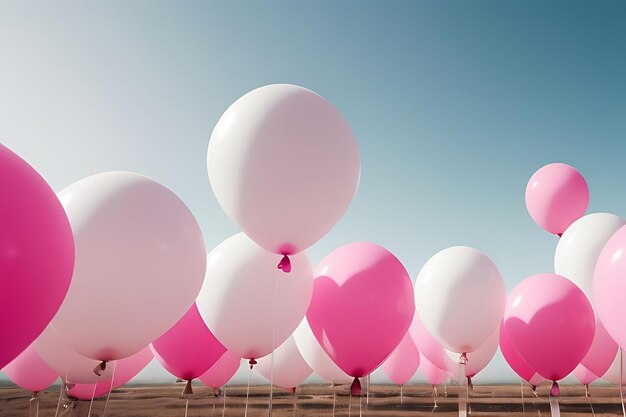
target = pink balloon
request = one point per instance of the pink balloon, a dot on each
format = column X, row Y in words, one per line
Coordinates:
column 125, row 370
column 556, row 196
column 609, row 286
column 603, row 349
column 362, row 306
column 515, row 361
column 429, row 347
column 433, row 374
column 222, row 371
column 480, row 358
column 36, row 255
column 584, row 375
column 403, row 362
column 30, row 372
column 550, row 323
column 188, row 349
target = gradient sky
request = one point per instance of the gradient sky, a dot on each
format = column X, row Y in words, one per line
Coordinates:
column 454, row 105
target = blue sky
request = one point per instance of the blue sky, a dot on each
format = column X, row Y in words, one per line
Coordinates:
column 454, row 105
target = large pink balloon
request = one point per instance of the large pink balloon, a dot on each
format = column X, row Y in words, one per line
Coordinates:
column 125, row 370
column 515, row 361
column 609, row 286
column 362, row 306
column 36, row 255
column 188, row 349
column 403, row 362
column 433, row 374
column 550, row 322
column 556, row 196
column 222, row 371
column 430, row 347
column 584, row 375
column 30, row 372
column 599, row 358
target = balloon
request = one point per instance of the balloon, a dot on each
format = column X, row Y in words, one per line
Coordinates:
column 460, row 298
column 515, row 361
column 222, row 371
column 68, row 364
column 556, row 195
column 316, row 357
column 550, row 323
column 584, row 375
column 434, row 375
column 403, row 362
column 140, row 262
column 249, row 305
column 125, row 370
column 609, row 286
column 30, row 372
column 616, row 374
column 479, row 358
column 284, row 165
column 188, row 349
column 362, row 306
column 575, row 259
column 290, row 368
column 430, row 348
column 36, row 255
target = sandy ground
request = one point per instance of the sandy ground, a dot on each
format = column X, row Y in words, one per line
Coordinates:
column 318, row 400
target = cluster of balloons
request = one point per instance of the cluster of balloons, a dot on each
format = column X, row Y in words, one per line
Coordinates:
column 113, row 271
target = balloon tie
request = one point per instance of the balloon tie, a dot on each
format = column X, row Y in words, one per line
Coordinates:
column 188, row 390
column 521, row 388
column 334, row 398
column 554, row 391
column 224, row 409
column 355, row 388
column 252, row 362
column 216, row 392
column 285, row 264
column 593, row 414
column 462, row 378
column 245, row 412
column 554, row 400
column 101, row 367
column 106, row 403
column 559, row 234
column 33, row 404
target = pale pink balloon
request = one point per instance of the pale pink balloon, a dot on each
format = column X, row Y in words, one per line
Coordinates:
column 433, row 374
column 286, row 367
column 515, row 361
column 556, row 196
column 188, row 349
column 609, row 286
column 584, row 375
column 429, row 347
column 125, row 370
column 480, row 358
column 222, row 371
column 362, row 306
column 403, row 362
column 30, row 372
column 36, row 255
column 602, row 351
column 550, row 323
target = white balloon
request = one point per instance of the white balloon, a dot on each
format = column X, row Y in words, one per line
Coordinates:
column 616, row 373
column 284, row 165
column 140, row 262
column 460, row 297
column 250, row 305
column 316, row 357
column 579, row 247
column 290, row 368
column 479, row 358
column 72, row 366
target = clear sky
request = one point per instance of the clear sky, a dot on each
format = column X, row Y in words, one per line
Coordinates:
column 454, row 105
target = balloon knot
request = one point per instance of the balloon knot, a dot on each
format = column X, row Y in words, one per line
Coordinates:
column 554, row 391
column 355, row 388
column 559, row 234
column 100, row 368
column 463, row 359
column 187, row 390
column 252, row 362
column 469, row 383
column 217, row 392
column 285, row 264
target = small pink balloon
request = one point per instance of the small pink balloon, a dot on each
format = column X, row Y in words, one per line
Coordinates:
column 433, row 374
column 550, row 323
column 515, row 361
column 584, row 375
column 30, row 372
column 609, row 286
column 362, row 306
column 188, row 349
column 222, row 371
column 36, row 255
column 403, row 362
column 125, row 370
column 556, row 196
column 601, row 353
column 429, row 347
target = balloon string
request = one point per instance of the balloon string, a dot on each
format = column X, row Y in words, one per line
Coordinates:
column 521, row 388
column 269, row 411
column 463, row 383
column 621, row 381
column 295, row 401
column 434, row 398
column 360, row 409
column 554, row 406
column 245, row 412
column 213, row 413
column 334, row 398
column 106, row 403
column 93, row 394
column 367, row 391
column 224, row 409
column 350, row 405
column 186, row 405
column 401, row 399
column 593, row 414
column 63, row 382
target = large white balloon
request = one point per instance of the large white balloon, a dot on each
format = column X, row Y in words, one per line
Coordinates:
column 579, row 247
column 250, row 305
column 72, row 366
column 284, row 165
column 140, row 262
column 460, row 298
column 289, row 367
column 316, row 357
